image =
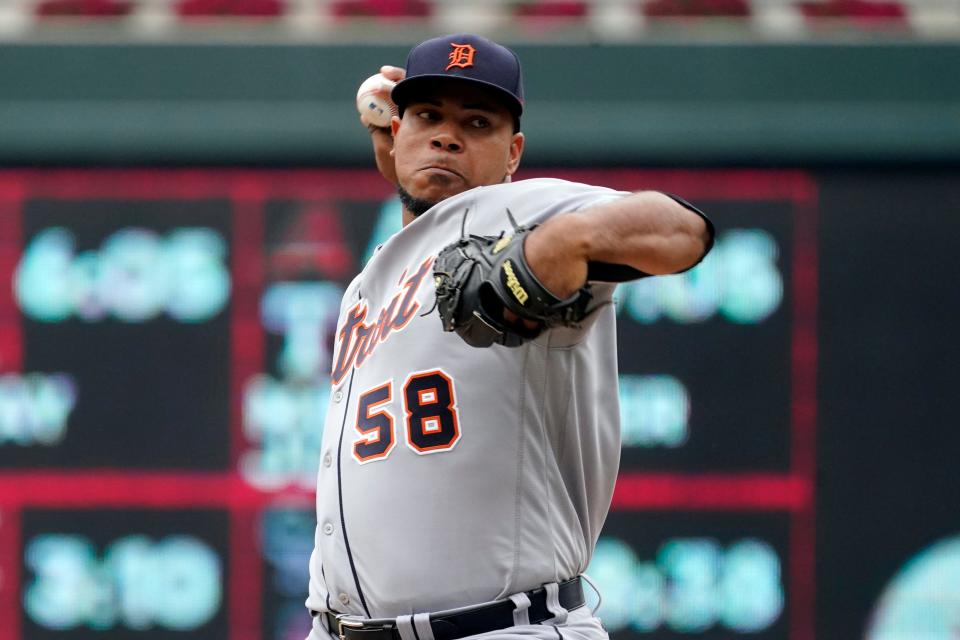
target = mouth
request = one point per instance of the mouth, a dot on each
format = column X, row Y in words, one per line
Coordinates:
column 442, row 171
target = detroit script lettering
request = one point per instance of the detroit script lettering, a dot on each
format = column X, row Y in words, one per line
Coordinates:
column 357, row 340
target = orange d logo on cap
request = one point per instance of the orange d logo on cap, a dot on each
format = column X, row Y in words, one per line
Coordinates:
column 461, row 55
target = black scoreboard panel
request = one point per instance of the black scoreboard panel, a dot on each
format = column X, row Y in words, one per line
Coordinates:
column 705, row 357
column 710, row 575
column 162, row 388
column 182, row 322
column 130, row 574
column 125, row 312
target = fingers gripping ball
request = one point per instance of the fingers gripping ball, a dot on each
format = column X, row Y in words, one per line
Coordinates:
column 373, row 101
column 478, row 277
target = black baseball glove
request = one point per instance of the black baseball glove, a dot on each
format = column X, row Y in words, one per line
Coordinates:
column 478, row 277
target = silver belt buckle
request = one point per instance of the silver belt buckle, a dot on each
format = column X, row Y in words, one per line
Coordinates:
column 344, row 621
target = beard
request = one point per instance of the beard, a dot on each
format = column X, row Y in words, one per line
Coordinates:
column 416, row 206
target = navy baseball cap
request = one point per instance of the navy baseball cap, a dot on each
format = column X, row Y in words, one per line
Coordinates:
column 465, row 57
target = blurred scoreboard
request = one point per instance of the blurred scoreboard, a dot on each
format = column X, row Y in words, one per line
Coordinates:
column 165, row 347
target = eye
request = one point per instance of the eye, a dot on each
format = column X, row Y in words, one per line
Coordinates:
column 427, row 114
column 479, row 122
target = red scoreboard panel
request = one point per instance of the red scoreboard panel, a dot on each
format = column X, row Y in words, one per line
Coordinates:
column 164, row 359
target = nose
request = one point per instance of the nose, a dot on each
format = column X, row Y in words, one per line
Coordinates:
column 447, row 142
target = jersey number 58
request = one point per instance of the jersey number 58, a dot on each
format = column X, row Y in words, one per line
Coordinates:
column 432, row 421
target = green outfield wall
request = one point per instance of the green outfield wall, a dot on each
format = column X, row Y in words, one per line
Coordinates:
column 590, row 105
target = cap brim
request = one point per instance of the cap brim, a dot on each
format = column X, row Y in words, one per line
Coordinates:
column 404, row 91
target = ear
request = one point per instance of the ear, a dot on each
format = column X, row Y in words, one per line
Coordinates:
column 394, row 125
column 515, row 152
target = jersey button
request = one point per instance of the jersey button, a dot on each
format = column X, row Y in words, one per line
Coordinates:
column 338, row 396
column 327, row 528
column 327, row 459
column 344, row 598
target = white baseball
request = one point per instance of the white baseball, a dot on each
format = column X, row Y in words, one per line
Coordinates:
column 373, row 100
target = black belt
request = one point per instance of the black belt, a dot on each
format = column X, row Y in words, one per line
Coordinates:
column 450, row 626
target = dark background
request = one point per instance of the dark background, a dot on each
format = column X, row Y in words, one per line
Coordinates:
column 888, row 388
column 737, row 375
column 140, row 383
column 647, row 532
column 101, row 527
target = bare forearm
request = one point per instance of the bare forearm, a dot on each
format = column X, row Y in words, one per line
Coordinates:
column 382, row 146
column 647, row 231
column 381, row 136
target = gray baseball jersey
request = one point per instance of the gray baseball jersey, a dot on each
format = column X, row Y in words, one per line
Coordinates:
column 450, row 475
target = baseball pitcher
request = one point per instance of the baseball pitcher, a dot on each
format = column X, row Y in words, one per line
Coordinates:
column 472, row 440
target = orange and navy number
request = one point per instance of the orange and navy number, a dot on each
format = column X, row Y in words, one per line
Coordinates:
column 376, row 426
column 432, row 421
